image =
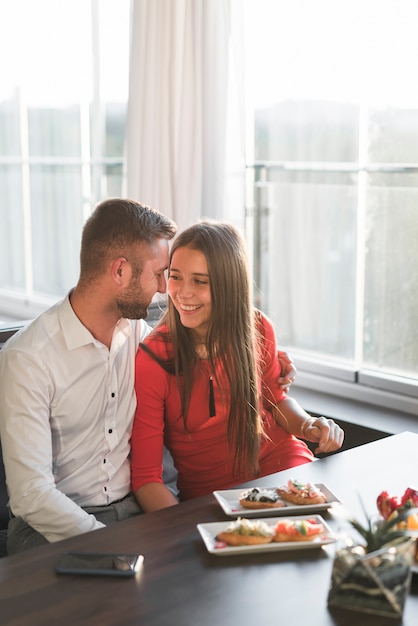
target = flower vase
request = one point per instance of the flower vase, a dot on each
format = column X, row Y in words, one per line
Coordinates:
column 376, row 582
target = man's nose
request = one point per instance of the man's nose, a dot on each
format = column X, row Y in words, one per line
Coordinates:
column 162, row 284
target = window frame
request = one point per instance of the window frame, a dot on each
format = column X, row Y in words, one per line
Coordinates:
column 317, row 372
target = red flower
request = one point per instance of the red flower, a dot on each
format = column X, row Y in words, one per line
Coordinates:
column 410, row 497
column 386, row 504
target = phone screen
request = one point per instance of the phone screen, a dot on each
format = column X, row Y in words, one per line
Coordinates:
column 99, row 563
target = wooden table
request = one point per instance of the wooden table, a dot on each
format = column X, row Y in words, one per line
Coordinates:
column 183, row 585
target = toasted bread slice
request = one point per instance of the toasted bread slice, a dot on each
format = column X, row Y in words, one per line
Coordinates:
column 258, row 498
column 297, row 492
column 245, row 532
column 235, row 539
column 297, row 530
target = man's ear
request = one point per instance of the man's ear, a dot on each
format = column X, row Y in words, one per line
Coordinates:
column 121, row 271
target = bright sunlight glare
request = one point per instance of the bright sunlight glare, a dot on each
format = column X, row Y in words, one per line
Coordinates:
column 46, row 50
column 356, row 51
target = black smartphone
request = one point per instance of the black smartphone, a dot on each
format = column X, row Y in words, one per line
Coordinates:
column 99, row 564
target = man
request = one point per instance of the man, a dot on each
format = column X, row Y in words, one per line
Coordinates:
column 67, row 396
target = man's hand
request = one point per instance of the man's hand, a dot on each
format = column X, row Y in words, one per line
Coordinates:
column 287, row 371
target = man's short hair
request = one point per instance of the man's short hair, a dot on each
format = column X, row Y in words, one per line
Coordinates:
column 114, row 226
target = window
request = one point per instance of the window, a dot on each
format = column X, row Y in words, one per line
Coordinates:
column 332, row 168
column 63, row 99
column 333, row 183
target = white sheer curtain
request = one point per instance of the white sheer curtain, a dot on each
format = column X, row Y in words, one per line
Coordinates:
column 181, row 110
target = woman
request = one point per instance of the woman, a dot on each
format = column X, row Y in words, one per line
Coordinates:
column 206, row 380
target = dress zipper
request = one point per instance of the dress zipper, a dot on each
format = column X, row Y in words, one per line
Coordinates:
column 212, row 408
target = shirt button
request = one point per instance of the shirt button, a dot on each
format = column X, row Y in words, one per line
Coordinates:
column 113, row 394
column 104, row 460
column 105, row 488
column 110, row 431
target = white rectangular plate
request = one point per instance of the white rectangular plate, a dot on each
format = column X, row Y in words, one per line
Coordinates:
column 229, row 501
column 209, row 532
column 414, row 566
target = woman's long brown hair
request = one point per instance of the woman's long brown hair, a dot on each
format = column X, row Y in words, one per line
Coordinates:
column 231, row 336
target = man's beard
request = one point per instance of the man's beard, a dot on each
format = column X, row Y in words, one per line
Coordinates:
column 131, row 302
column 131, row 306
column 132, row 310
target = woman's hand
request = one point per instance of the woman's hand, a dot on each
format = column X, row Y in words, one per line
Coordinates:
column 287, row 371
column 325, row 431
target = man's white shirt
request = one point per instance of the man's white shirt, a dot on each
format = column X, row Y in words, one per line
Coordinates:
column 67, row 404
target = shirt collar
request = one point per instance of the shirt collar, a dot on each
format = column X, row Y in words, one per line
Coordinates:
column 77, row 335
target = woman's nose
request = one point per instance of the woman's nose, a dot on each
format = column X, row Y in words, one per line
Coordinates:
column 185, row 290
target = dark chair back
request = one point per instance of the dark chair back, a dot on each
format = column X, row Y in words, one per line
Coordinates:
column 6, row 331
column 4, row 511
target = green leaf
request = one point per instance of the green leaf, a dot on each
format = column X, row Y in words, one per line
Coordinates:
column 379, row 535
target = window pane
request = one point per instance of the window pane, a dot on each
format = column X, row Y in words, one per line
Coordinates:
column 307, row 131
column 114, row 178
column 56, row 202
column 391, row 288
column 393, row 135
column 311, row 260
column 9, row 128
column 12, row 246
column 55, row 131
column 115, row 129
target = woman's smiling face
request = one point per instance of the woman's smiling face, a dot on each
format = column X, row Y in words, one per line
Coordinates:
column 189, row 289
